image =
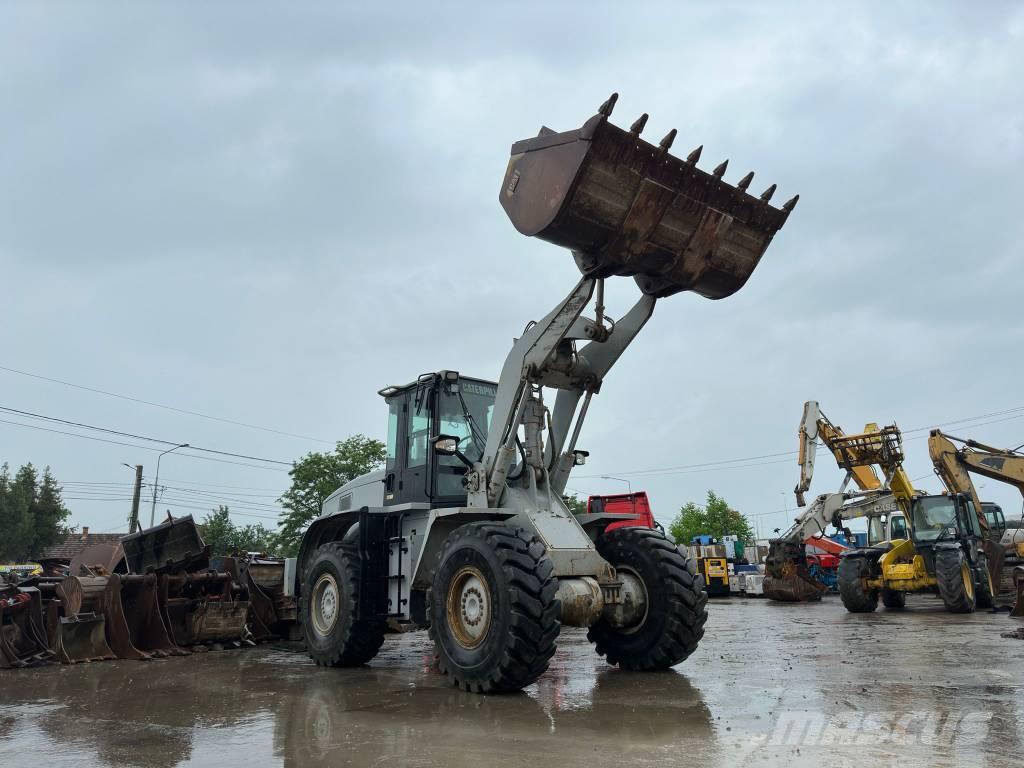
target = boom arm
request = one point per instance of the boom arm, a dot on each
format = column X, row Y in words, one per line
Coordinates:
column 832, row 509
column 815, row 425
column 953, row 466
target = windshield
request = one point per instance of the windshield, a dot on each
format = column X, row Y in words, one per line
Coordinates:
column 933, row 515
column 465, row 413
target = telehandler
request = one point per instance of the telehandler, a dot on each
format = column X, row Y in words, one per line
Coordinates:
column 465, row 530
column 787, row 573
column 948, row 552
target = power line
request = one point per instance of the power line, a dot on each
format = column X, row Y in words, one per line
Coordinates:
column 136, row 437
column 722, row 463
column 137, row 446
column 165, row 407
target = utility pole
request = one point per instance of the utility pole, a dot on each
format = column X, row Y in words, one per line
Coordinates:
column 133, row 521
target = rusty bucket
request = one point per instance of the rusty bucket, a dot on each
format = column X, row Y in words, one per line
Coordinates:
column 787, row 579
column 626, row 207
column 23, row 640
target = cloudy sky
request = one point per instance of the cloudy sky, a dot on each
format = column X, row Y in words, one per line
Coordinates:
column 263, row 217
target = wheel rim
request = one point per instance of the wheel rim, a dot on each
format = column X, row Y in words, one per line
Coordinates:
column 965, row 571
column 469, row 607
column 647, row 600
column 326, row 601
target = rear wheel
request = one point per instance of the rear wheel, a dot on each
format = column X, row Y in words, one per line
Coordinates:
column 894, row 600
column 986, row 589
column 956, row 581
column 856, row 597
column 334, row 636
column 676, row 602
column 493, row 612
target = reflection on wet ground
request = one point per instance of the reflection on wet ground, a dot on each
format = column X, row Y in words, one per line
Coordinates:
column 770, row 684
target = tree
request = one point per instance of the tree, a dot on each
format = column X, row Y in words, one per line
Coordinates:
column 32, row 513
column 575, row 504
column 715, row 518
column 316, row 476
column 224, row 537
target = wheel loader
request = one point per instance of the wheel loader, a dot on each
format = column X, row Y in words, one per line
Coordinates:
column 465, row 530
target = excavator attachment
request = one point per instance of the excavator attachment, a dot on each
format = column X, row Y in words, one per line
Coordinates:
column 787, row 578
column 80, row 634
column 629, row 208
column 22, row 632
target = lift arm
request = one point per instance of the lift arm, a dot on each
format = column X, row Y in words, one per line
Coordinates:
column 815, row 426
column 954, row 466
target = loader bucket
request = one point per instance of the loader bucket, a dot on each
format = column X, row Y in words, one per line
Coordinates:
column 134, row 597
column 22, row 633
column 80, row 633
column 626, row 207
column 82, row 637
column 175, row 544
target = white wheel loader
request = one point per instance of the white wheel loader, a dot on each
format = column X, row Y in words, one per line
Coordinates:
column 465, row 530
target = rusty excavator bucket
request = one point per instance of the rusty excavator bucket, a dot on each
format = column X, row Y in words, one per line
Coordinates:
column 786, row 577
column 80, row 634
column 22, row 631
column 629, row 208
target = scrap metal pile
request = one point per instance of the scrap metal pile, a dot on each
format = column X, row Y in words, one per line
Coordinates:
column 157, row 594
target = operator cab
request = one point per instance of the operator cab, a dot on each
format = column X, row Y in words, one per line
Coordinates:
column 442, row 403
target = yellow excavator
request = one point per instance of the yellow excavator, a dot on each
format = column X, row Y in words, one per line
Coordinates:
column 954, row 466
column 788, row 577
column 948, row 551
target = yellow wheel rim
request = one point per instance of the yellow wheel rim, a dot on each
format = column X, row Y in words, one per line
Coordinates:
column 965, row 571
column 469, row 607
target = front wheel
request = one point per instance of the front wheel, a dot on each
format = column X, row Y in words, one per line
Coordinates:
column 986, row 589
column 494, row 618
column 330, row 596
column 857, row 598
column 956, row 581
column 676, row 602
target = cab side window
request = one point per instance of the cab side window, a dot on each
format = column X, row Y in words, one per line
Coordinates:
column 898, row 527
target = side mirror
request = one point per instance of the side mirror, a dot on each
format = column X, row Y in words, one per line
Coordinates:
column 446, row 445
column 579, row 458
column 952, row 532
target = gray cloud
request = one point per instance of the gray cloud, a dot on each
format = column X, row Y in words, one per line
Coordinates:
column 268, row 216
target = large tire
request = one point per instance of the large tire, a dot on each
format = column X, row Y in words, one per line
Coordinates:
column 676, row 602
column 856, row 598
column 986, row 589
column 956, row 581
column 330, row 594
column 493, row 612
column 894, row 600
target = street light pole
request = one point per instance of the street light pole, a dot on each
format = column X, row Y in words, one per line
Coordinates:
column 156, row 482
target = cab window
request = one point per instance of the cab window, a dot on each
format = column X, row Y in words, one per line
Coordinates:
column 898, row 527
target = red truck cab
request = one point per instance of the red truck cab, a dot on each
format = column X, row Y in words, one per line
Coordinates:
column 633, row 504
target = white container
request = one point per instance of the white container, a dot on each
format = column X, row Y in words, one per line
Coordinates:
column 754, row 586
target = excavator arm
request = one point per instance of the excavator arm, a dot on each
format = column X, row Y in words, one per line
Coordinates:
column 787, row 578
column 954, row 466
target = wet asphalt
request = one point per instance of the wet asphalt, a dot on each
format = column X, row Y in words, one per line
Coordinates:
column 771, row 684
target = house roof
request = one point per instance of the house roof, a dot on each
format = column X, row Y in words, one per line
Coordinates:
column 74, row 543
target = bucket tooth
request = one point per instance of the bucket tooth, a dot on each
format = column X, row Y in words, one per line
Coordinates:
column 767, row 194
column 789, row 205
column 606, row 108
column 637, row 128
column 626, row 208
column 745, row 181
